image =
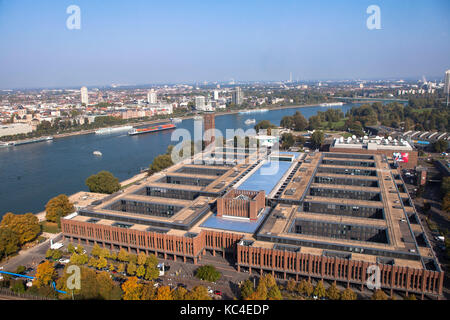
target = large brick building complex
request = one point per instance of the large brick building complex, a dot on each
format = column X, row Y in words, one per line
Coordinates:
column 326, row 216
column 401, row 151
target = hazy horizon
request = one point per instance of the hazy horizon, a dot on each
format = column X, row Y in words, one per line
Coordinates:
column 140, row 43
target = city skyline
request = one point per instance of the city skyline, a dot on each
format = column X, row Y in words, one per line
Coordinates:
column 186, row 42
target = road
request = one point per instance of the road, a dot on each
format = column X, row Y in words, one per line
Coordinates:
column 30, row 257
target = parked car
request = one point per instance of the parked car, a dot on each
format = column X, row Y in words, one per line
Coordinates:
column 64, row 261
column 218, row 292
column 59, row 266
column 28, row 270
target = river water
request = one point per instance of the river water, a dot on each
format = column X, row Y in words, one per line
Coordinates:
column 32, row 174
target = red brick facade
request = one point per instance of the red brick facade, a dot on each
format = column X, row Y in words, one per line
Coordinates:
column 186, row 247
column 228, row 205
column 336, row 269
column 289, row 263
column 209, row 124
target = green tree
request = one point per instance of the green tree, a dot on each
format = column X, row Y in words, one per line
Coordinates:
column 445, row 185
column 17, row 286
column 265, row 125
column 446, row 202
column 26, row 226
column 333, row 292
column 161, row 162
column 121, row 267
column 300, row 122
column 49, row 253
column 348, row 294
column 379, row 295
column 70, row 248
column 261, row 290
column 107, row 288
column 274, row 293
column 208, row 273
column 164, row 293
column 151, row 260
column 123, row 255
column 45, row 274
column 57, row 254
column 317, row 139
column 152, row 272
column 9, row 242
column 319, row 290
column 140, row 272
column 179, row 293
column 131, row 269
column 198, row 293
column 291, row 285
column 440, row 146
column 96, row 250
column 93, row 262
column 287, row 122
column 287, row 140
column 132, row 289
column 20, row 269
column 142, row 258
column 79, row 249
column 305, row 288
column 102, row 263
column 103, row 182
column 79, row 259
column 314, row 123
column 58, row 207
column 148, row 291
column 246, row 289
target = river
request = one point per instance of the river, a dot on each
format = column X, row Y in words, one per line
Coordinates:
column 32, row 174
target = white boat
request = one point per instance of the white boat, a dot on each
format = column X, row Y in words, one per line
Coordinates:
column 198, row 118
column 331, row 104
column 97, row 153
column 6, row 144
column 113, row 129
column 176, row 120
column 21, row 142
column 253, row 111
column 250, row 121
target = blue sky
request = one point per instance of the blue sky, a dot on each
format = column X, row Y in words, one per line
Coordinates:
column 143, row 42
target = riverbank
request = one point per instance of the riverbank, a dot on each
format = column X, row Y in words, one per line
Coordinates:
column 84, row 198
column 157, row 121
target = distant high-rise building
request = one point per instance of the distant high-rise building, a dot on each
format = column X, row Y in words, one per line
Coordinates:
column 152, row 97
column 200, row 103
column 209, row 124
column 447, row 82
column 84, row 96
column 216, row 95
column 237, row 97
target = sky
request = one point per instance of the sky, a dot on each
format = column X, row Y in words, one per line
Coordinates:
column 144, row 42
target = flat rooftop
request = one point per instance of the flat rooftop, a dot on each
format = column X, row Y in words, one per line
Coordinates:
column 353, row 205
column 374, row 143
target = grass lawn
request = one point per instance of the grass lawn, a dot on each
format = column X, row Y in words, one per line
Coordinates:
column 50, row 227
column 337, row 125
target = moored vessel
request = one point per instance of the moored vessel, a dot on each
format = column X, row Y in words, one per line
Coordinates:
column 113, row 129
column 331, row 104
column 250, row 121
column 157, row 128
